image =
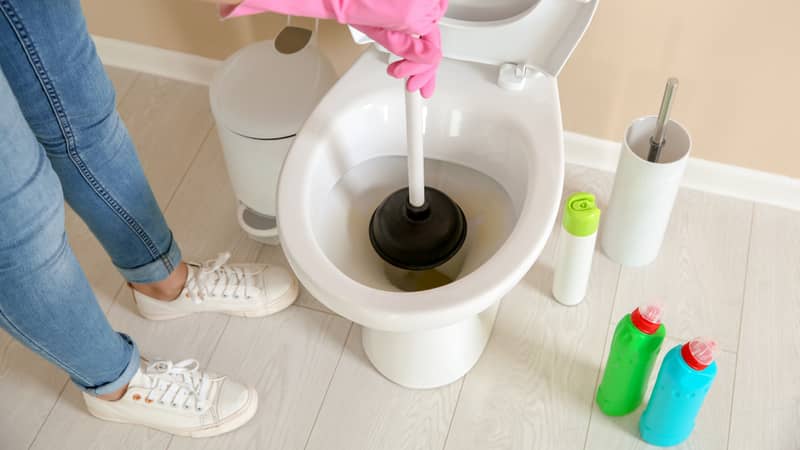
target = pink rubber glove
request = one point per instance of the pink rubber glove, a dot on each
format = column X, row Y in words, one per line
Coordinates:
column 409, row 16
column 421, row 57
column 391, row 23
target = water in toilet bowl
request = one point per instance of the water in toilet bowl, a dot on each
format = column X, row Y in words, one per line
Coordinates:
column 413, row 280
column 340, row 225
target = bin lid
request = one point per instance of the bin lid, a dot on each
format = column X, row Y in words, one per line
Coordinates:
column 262, row 93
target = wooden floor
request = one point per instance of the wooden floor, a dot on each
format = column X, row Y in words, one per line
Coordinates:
column 729, row 269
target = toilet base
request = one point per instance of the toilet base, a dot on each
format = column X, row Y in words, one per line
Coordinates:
column 430, row 358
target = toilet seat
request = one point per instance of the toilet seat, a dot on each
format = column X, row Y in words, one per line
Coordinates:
column 538, row 34
column 529, row 34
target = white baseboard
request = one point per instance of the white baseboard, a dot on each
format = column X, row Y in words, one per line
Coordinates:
column 156, row 61
column 702, row 175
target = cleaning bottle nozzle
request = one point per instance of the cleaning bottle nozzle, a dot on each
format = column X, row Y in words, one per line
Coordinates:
column 647, row 318
column 581, row 214
column 699, row 352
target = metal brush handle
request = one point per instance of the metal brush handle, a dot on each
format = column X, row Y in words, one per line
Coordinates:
column 657, row 140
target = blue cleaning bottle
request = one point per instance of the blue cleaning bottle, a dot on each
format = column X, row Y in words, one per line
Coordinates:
column 683, row 381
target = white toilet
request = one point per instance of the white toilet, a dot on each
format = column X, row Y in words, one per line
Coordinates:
column 493, row 143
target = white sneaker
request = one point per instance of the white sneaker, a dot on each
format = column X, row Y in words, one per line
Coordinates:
column 178, row 398
column 248, row 290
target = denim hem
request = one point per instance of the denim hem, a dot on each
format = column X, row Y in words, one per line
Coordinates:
column 156, row 270
column 133, row 365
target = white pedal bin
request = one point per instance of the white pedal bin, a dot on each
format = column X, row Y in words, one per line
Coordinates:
column 260, row 98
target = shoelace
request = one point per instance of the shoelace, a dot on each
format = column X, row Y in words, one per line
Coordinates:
column 215, row 278
column 178, row 384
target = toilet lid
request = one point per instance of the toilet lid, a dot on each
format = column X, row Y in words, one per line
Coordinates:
column 261, row 93
column 537, row 33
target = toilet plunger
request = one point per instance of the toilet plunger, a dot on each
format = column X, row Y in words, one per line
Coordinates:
column 417, row 228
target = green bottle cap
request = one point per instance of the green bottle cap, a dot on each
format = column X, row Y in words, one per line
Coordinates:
column 581, row 214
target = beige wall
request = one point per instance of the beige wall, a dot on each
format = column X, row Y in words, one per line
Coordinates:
column 737, row 61
column 193, row 26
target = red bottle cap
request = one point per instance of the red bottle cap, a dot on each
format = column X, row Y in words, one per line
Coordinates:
column 699, row 353
column 647, row 318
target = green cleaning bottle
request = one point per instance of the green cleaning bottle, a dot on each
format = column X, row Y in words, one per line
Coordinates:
column 634, row 349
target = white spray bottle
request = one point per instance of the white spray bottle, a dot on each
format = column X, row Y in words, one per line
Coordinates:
column 575, row 248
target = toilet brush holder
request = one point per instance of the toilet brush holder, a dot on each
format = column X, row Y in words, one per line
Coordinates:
column 644, row 193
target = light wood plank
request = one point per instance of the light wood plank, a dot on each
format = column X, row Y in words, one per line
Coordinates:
column 711, row 430
column 29, row 386
column 168, row 121
column 364, row 410
column 533, row 386
column 699, row 274
column 122, row 79
column 766, row 410
column 290, row 358
column 70, row 426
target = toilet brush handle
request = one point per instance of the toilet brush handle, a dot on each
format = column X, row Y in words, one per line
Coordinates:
column 416, row 158
column 657, row 139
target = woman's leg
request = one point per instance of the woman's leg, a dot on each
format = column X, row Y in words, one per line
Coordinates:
column 69, row 102
column 46, row 301
column 58, row 122
column 47, row 304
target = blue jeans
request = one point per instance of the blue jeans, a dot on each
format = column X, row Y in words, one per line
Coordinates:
column 62, row 139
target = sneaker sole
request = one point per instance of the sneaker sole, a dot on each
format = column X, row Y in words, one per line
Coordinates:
column 236, row 421
column 281, row 303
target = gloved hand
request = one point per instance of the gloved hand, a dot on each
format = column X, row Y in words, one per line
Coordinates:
column 421, row 56
column 392, row 23
column 408, row 16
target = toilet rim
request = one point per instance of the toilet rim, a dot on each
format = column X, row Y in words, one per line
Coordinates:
column 393, row 311
column 410, row 311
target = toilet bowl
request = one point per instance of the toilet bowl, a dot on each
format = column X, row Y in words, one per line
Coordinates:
column 493, row 142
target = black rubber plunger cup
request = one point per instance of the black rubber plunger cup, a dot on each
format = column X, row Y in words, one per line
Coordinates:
column 417, row 229
column 417, row 238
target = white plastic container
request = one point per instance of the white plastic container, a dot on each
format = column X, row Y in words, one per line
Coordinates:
column 260, row 98
column 575, row 249
column 644, row 193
